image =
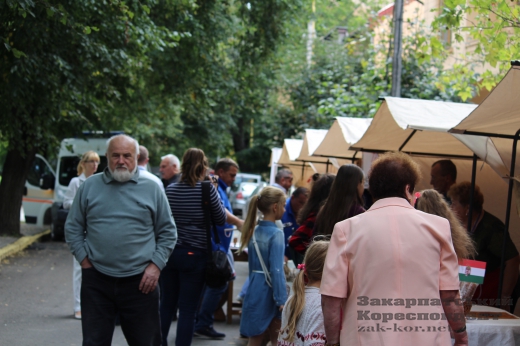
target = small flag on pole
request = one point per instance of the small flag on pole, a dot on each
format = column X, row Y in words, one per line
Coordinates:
column 472, row 271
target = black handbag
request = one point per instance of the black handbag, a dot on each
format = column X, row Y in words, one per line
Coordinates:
column 218, row 269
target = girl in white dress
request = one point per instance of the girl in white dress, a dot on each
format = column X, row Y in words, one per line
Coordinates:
column 302, row 318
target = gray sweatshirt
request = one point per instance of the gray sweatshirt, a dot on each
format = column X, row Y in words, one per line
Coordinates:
column 120, row 227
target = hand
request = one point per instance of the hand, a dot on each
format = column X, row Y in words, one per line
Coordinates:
column 85, row 264
column 150, row 278
column 280, row 307
column 461, row 339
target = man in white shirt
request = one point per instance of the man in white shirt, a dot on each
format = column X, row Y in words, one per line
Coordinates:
column 141, row 164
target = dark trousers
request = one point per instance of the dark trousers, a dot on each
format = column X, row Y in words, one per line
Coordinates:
column 182, row 283
column 209, row 305
column 103, row 296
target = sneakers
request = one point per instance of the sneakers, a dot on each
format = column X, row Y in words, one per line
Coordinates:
column 210, row 333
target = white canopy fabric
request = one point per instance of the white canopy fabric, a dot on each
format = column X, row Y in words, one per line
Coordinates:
column 343, row 133
column 290, row 151
column 410, row 125
column 311, row 140
column 498, row 114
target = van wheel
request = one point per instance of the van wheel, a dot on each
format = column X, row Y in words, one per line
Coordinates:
column 56, row 232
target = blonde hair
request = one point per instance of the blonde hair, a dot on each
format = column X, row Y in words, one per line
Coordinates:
column 194, row 166
column 263, row 202
column 314, row 261
column 88, row 156
column 432, row 202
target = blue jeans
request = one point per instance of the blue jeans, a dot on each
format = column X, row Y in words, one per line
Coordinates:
column 182, row 284
column 103, row 297
column 209, row 305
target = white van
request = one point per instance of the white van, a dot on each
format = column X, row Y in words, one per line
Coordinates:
column 46, row 186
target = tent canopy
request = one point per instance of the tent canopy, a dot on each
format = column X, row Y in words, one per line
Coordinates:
column 417, row 127
column 311, row 140
column 344, row 132
column 499, row 113
column 290, row 151
column 498, row 119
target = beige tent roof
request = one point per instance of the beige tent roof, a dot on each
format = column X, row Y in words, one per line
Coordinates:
column 399, row 123
column 344, row 132
column 311, row 140
column 290, row 151
column 498, row 114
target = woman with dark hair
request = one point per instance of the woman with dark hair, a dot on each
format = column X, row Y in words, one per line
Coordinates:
column 301, row 238
column 344, row 201
column 488, row 233
column 389, row 255
column 182, row 280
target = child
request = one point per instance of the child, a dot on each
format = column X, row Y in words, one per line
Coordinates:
column 302, row 318
column 266, row 294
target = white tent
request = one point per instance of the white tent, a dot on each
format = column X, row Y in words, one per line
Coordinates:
column 311, row 140
column 302, row 171
column 398, row 121
column 494, row 124
column 343, row 133
column 420, row 127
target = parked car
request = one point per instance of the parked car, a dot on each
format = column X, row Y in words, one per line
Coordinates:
column 247, row 200
column 241, row 189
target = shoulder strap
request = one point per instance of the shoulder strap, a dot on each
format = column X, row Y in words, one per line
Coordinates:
column 264, row 268
column 206, row 207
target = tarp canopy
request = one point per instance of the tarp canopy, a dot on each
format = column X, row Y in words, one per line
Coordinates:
column 344, row 132
column 497, row 115
column 399, row 123
column 290, row 151
column 311, row 140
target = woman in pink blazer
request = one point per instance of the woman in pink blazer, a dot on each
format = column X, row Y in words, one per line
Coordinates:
column 391, row 274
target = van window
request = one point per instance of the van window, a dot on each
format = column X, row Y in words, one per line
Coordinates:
column 69, row 165
column 38, row 168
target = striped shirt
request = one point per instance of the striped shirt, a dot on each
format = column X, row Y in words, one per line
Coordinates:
column 186, row 205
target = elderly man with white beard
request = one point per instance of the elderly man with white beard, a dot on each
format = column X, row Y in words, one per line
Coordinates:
column 121, row 230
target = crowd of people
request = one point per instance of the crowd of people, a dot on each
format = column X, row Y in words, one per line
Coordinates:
column 141, row 248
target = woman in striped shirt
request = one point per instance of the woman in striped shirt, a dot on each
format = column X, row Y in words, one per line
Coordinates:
column 182, row 280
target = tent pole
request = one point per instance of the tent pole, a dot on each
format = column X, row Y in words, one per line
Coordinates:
column 327, row 169
column 472, row 191
column 303, row 169
column 508, row 214
column 354, row 156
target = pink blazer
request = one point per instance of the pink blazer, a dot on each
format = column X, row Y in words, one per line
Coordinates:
column 390, row 263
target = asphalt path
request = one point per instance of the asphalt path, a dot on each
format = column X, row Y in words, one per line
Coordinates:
column 36, row 304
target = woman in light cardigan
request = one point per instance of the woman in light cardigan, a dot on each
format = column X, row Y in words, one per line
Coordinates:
column 87, row 166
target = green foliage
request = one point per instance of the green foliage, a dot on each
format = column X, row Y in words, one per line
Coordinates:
column 495, row 27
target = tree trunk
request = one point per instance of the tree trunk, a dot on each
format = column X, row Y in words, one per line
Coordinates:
column 16, row 168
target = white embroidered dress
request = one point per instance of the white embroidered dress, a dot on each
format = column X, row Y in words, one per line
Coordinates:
column 309, row 330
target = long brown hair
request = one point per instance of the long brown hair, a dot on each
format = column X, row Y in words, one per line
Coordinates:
column 194, row 166
column 343, row 197
column 319, row 192
column 263, row 201
column 314, row 261
column 432, row 202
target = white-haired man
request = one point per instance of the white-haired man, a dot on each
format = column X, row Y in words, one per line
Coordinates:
column 169, row 168
column 121, row 230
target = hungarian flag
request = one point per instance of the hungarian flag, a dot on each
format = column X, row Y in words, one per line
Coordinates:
column 472, row 271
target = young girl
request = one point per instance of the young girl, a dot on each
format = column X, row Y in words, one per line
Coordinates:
column 302, row 318
column 345, row 199
column 266, row 294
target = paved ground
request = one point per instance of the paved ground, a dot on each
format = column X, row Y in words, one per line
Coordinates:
column 36, row 301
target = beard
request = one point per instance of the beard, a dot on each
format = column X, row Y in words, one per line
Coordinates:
column 122, row 173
